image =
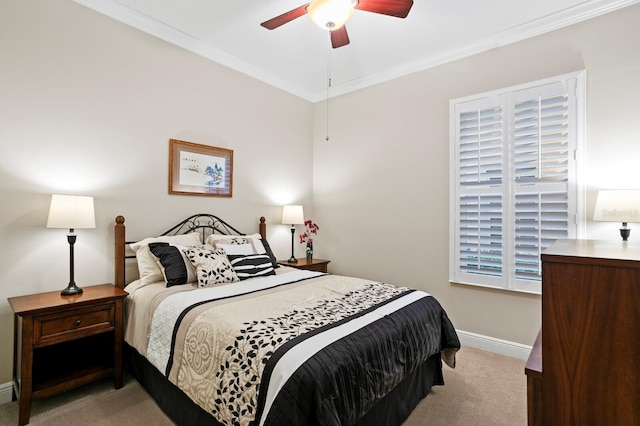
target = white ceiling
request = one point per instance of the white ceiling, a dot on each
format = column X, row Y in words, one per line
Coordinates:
column 297, row 56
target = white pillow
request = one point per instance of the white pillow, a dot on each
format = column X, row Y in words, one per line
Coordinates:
column 253, row 241
column 243, row 249
column 214, row 239
column 147, row 266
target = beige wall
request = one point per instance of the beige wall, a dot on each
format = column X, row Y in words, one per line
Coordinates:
column 381, row 189
column 87, row 106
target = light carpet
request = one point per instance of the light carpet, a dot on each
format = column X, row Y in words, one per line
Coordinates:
column 485, row 389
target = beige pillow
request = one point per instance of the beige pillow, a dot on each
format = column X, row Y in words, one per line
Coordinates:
column 147, row 262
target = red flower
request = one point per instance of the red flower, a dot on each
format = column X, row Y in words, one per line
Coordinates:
column 311, row 229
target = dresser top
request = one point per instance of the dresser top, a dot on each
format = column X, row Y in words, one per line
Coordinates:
column 607, row 250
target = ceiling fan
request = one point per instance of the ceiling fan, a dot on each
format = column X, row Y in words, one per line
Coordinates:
column 331, row 15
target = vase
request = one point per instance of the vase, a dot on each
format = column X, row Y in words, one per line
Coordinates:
column 309, row 251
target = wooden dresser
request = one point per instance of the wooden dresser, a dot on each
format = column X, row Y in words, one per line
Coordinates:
column 590, row 334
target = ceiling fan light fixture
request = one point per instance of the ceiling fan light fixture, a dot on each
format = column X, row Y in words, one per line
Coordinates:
column 330, row 14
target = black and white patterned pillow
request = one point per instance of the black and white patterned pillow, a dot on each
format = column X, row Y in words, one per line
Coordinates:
column 212, row 266
column 150, row 270
column 176, row 268
column 250, row 266
column 260, row 246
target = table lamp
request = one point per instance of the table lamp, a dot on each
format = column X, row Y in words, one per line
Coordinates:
column 71, row 212
column 292, row 215
column 618, row 205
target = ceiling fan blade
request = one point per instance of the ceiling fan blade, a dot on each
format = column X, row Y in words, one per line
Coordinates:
column 397, row 8
column 289, row 16
column 339, row 37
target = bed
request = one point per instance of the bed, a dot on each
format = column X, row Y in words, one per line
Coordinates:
column 218, row 334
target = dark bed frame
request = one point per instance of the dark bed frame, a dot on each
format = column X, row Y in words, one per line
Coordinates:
column 392, row 409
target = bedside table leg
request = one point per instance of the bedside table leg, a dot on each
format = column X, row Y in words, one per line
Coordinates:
column 15, row 392
column 25, row 411
column 117, row 346
column 26, row 377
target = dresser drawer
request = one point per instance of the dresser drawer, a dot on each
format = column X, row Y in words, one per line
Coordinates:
column 73, row 324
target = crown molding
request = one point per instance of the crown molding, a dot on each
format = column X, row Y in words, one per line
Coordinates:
column 564, row 18
column 137, row 20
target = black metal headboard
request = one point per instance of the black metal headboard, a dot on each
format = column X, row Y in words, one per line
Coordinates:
column 203, row 222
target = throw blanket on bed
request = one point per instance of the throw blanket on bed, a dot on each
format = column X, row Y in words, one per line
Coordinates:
column 277, row 350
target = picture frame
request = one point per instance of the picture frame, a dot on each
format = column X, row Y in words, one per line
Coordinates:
column 196, row 169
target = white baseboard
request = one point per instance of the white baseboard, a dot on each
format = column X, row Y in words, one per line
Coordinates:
column 6, row 392
column 491, row 344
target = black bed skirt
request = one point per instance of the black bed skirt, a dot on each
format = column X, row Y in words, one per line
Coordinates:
column 391, row 410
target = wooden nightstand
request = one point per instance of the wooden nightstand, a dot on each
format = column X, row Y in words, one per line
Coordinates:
column 61, row 342
column 319, row 265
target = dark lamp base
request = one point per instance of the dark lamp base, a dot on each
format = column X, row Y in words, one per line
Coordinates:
column 625, row 231
column 292, row 260
column 72, row 289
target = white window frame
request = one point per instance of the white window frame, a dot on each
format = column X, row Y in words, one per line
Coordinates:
column 504, row 99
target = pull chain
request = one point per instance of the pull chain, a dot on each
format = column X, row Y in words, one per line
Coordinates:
column 328, row 87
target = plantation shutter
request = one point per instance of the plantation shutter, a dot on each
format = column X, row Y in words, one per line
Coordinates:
column 513, row 180
column 480, row 203
column 541, row 169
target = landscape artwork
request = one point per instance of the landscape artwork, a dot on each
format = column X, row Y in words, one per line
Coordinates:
column 201, row 170
column 196, row 169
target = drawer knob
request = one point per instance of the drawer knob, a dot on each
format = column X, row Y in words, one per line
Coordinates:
column 77, row 322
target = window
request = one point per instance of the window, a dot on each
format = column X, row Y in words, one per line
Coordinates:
column 514, row 187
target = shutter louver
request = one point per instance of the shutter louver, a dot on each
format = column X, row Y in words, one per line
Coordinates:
column 481, row 234
column 481, row 147
column 480, row 206
column 541, row 219
column 541, row 139
column 541, row 159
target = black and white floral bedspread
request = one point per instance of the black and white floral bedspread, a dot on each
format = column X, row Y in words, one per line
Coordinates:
column 297, row 348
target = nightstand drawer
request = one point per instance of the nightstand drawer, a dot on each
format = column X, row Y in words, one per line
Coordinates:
column 317, row 267
column 72, row 324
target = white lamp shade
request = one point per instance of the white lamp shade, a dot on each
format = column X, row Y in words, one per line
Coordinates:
column 71, row 212
column 292, row 215
column 330, row 14
column 618, row 205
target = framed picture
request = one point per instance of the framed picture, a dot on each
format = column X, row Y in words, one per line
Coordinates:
column 196, row 169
